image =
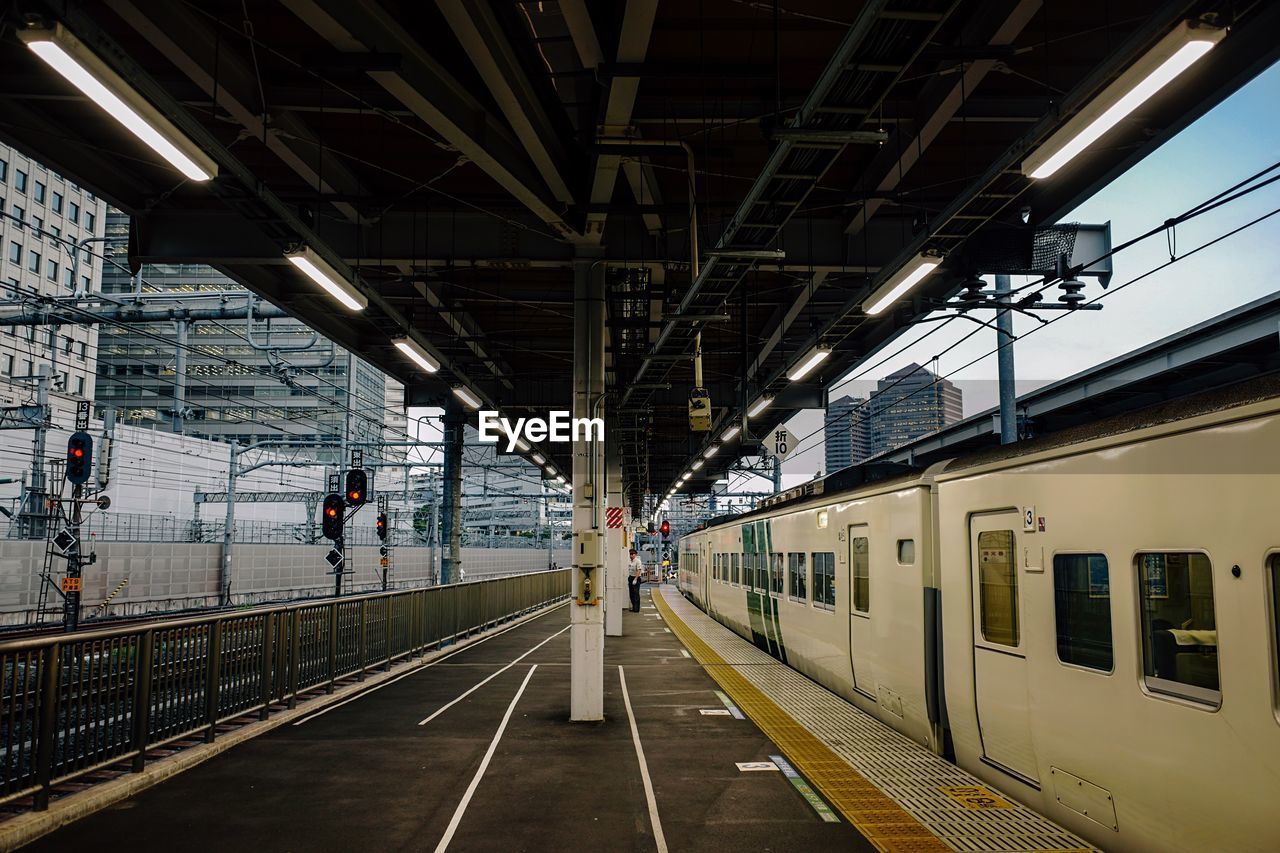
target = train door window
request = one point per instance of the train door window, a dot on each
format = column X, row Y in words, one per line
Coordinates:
column 797, row 580
column 736, row 578
column 779, row 574
column 762, row 572
column 906, row 552
column 1082, row 609
column 1179, row 630
column 824, row 579
column 860, row 569
column 749, row 571
column 1275, row 608
column 998, row 587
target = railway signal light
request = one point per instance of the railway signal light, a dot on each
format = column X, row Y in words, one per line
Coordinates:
column 666, row 527
column 357, row 487
column 79, row 457
column 331, row 521
column 382, row 526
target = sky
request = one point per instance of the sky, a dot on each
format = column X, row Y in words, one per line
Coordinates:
column 1239, row 137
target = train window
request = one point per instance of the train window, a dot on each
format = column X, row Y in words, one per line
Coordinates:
column 998, row 587
column 749, row 571
column 906, row 552
column 1179, row 631
column 762, row 572
column 779, row 574
column 797, row 586
column 1275, row 607
column 824, row 579
column 734, row 564
column 1082, row 607
column 860, row 568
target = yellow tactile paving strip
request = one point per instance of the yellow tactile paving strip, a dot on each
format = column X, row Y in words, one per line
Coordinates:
column 877, row 815
column 884, row 823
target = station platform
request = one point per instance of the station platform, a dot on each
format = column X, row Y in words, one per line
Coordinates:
column 707, row 744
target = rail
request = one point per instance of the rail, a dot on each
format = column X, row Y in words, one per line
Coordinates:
column 76, row 703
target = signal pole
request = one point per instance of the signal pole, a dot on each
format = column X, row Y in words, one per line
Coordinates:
column 79, row 463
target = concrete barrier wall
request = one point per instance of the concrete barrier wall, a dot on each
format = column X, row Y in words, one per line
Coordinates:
column 175, row 576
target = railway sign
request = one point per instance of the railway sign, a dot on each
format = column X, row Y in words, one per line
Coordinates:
column 779, row 444
column 64, row 540
column 72, row 584
column 613, row 517
column 334, row 557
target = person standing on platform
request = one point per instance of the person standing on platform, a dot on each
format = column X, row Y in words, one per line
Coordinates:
column 635, row 576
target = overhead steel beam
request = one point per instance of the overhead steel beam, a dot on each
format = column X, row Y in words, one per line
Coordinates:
column 957, row 93
column 191, row 45
column 433, row 94
column 633, row 45
column 480, row 33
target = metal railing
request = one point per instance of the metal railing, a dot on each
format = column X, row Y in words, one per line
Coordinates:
column 75, row 703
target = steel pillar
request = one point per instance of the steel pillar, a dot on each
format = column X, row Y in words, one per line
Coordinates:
column 616, row 544
column 228, row 527
column 1004, row 356
column 586, row 614
column 451, row 505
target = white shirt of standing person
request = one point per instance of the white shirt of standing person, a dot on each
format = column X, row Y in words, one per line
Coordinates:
column 635, row 568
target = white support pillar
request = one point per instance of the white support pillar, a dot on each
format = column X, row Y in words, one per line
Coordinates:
column 616, row 545
column 586, row 613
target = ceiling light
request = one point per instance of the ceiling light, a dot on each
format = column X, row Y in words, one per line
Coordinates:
column 730, row 433
column 900, row 282
column 539, row 459
column 83, row 69
column 319, row 271
column 560, row 479
column 808, row 363
column 464, row 394
column 416, row 354
column 711, row 451
column 1159, row 67
column 698, row 465
column 759, row 406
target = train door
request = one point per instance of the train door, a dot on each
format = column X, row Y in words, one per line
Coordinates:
column 861, row 638
column 999, row 648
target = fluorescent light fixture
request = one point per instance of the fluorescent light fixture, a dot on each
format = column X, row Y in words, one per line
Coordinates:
column 808, row 363
column 900, row 282
column 522, row 445
column 83, row 69
column 711, row 451
column 539, row 459
column 697, row 465
column 731, row 433
column 759, row 406
column 1159, row 67
column 319, row 271
column 416, row 354
column 464, row 394
column 560, row 479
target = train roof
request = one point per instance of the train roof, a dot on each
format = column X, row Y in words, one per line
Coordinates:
column 886, row 476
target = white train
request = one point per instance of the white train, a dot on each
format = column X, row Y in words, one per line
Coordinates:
column 1087, row 621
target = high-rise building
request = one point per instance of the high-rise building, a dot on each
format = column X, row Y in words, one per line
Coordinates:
column 909, row 403
column 244, row 381
column 51, row 245
column 845, row 432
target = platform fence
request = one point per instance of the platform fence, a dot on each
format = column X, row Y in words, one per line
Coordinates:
column 74, row 704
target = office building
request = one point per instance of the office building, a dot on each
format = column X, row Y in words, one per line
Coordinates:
column 846, row 433
column 909, row 403
column 51, row 232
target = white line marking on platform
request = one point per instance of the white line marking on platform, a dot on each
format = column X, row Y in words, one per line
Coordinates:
column 484, row 765
column 685, row 653
column 713, row 712
column 659, row 839
column 413, row 671
column 668, row 630
column 486, row 680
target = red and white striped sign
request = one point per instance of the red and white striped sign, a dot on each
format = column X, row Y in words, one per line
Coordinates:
column 613, row 517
